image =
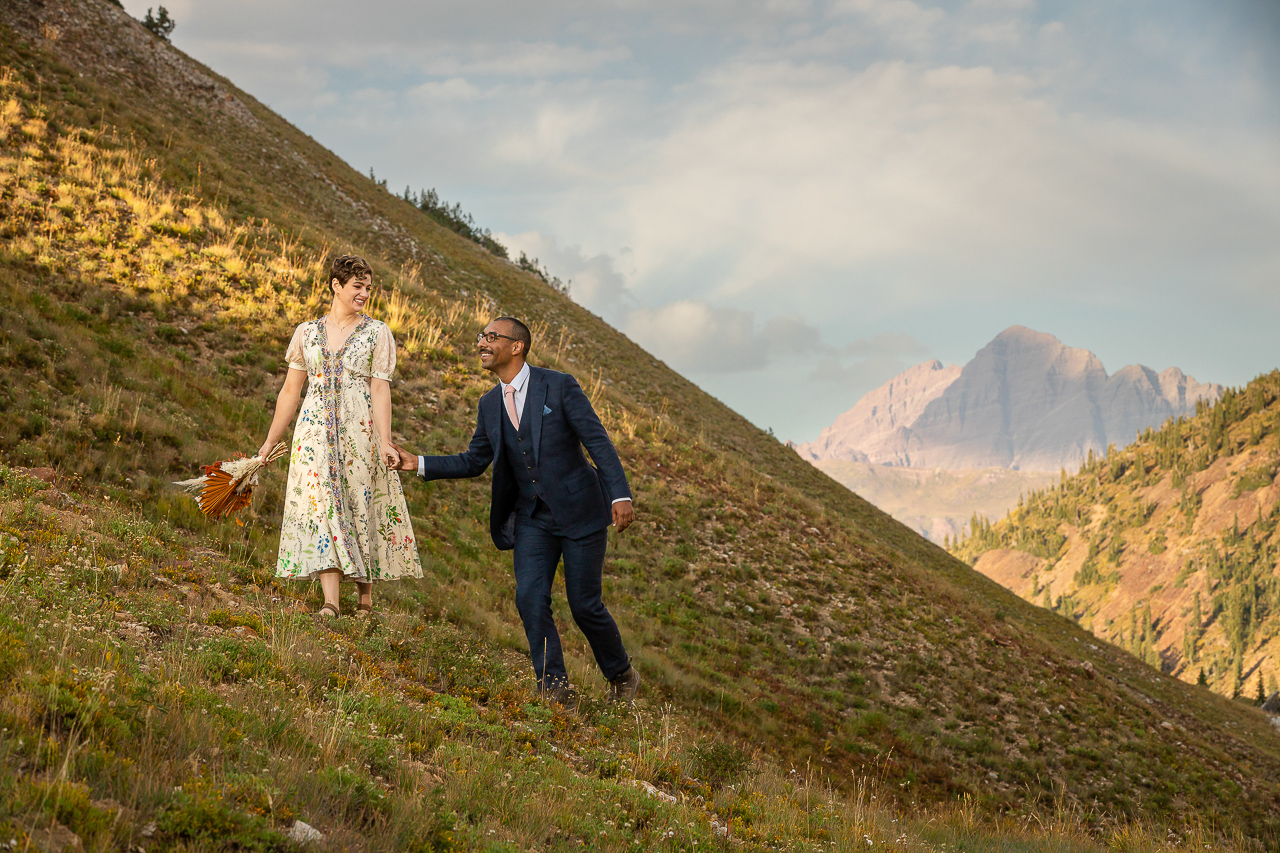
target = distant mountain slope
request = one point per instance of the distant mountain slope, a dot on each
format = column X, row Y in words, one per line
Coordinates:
column 1168, row 548
column 163, row 232
column 1025, row 401
column 934, row 502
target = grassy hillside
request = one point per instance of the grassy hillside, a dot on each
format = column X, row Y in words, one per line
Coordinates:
column 802, row 651
column 934, row 502
column 1167, row 548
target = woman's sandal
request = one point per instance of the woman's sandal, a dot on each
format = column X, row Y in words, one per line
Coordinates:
column 364, row 611
column 328, row 611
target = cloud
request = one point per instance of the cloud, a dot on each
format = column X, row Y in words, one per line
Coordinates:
column 886, row 344
column 925, row 180
column 858, row 376
column 593, row 280
column 530, row 60
column 452, row 89
column 699, row 338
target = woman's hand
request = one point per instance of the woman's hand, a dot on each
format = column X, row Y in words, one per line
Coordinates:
column 266, row 449
column 390, row 456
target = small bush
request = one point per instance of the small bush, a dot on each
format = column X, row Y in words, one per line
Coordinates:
column 212, row 824
column 225, row 661
column 720, row 764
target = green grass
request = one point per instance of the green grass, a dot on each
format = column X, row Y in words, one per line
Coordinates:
column 152, row 273
column 135, row 716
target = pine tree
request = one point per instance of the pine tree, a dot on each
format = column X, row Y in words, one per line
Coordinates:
column 1262, row 691
column 1201, row 680
column 160, row 25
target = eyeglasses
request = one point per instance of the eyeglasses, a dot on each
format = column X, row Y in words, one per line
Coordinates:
column 492, row 337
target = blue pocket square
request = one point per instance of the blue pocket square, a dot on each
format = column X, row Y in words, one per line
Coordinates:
column 545, row 410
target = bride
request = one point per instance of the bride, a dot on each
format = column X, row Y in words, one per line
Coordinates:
column 344, row 510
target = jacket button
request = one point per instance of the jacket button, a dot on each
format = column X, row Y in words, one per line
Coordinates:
column 535, row 481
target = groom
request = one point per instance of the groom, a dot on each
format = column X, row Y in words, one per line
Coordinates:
column 548, row 502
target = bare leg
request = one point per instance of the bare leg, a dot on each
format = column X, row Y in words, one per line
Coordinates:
column 366, row 596
column 329, row 579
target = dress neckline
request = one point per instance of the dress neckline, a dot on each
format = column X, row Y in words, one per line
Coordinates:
column 324, row 336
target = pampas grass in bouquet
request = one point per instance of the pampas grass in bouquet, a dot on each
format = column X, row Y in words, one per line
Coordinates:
column 225, row 487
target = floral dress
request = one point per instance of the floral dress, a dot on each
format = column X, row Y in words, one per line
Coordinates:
column 343, row 507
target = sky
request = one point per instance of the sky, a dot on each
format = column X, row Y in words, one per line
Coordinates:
column 791, row 201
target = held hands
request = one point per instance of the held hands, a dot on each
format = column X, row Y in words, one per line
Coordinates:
column 390, row 455
column 623, row 514
column 405, row 461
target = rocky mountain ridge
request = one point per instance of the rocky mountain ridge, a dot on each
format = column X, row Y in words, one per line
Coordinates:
column 1026, row 401
column 1168, row 548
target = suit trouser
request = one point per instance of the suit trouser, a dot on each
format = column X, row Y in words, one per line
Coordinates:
column 538, row 550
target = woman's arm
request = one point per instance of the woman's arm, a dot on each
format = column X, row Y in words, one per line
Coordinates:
column 380, row 392
column 286, row 408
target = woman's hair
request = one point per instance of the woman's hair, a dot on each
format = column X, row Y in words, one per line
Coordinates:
column 346, row 267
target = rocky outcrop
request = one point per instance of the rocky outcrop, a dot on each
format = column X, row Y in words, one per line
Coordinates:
column 1026, row 401
column 875, row 428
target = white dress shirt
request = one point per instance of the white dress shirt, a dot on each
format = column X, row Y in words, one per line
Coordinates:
column 521, row 384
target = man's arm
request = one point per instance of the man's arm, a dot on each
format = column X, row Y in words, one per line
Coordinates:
column 471, row 463
column 586, row 424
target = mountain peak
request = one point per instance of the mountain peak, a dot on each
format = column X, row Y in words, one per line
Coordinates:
column 1025, row 401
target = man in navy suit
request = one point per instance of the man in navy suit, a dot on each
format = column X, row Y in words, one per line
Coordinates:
column 548, row 501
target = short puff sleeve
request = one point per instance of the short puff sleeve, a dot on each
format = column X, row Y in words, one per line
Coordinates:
column 296, row 355
column 383, row 363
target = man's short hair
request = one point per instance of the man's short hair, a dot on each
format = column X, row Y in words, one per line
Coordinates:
column 346, row 267
column 519, row 331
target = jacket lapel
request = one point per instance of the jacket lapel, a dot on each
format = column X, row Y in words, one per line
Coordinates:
column 491, row 408
column 534, row 402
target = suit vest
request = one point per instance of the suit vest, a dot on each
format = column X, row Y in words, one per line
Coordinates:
column 517, row 449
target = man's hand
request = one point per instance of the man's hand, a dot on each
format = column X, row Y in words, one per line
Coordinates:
column 623, row 514
column 408, row 461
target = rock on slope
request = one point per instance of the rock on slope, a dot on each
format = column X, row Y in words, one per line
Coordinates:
column 1025, row 401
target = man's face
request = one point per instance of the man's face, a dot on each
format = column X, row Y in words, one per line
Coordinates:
column 496, row 355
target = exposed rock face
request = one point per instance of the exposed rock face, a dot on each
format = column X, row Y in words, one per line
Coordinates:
column 1025, row 401
column 876, row 427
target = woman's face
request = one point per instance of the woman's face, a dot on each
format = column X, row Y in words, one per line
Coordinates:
column 354, row 294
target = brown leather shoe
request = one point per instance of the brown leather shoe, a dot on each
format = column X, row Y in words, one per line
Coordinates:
column 623, row 688
column 565, row 694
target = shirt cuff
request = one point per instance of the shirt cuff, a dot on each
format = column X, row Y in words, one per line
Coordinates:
column 422, row 466
column 615, row 500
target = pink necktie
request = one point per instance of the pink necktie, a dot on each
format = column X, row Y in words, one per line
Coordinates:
column 510, row 393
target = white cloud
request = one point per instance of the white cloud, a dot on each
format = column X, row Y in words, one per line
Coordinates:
column 593, row 280
column 699, row 338
column 929, row 179
column 452, row 89
column 529, row 60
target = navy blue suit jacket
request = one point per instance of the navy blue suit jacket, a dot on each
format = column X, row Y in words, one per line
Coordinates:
column 562, row 422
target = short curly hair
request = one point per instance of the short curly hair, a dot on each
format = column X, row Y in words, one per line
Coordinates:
column 346, row 267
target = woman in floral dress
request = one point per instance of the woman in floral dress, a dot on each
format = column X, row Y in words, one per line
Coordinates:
column 344, row 510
